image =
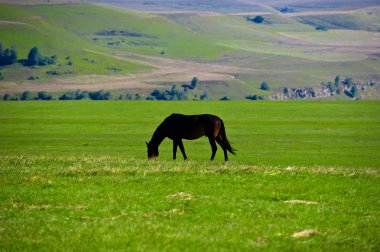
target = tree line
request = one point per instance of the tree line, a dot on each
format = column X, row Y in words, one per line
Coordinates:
column 171, row 94
column 72, row 95
column 338, row 86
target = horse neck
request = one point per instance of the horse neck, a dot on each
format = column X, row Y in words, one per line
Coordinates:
column 158, row 137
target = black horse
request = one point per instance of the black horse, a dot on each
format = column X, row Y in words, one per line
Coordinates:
column 178, row 127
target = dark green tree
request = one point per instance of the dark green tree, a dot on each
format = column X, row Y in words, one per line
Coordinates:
column 7, row 97
column 254, row 97
column 8, row 56
column 347, row 82
column 258, row 19
column 42, row 95
column 332, row 87
column 264, row 86
column 354, row 91
column 337, row 80
column 67, row 96
column 100, row 95
column 194, row 82
column 320, row 28
column 138, row 97
column 26, row 96
column 33, row 57
column 1, row 53
column 12, row 55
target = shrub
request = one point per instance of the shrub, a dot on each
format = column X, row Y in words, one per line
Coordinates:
column 172, row 94
column 320, row 28
column 337, row 80
column 67, row 96
column 254, row 97
column 204, row 96
column 35, row 58
column 353, row 92
column 285, row 9
column 26, row 96
column 7, row 97
column 257, row 19
column 138, row 97
column 77, row 95
column 332, row 87
column 42, row 95
column 264, row 86
column 347, row 82
column 32, row 77
column 127, row 96
column 53, row 72
column 8, row 56
column 100, row 95
column 194, row 82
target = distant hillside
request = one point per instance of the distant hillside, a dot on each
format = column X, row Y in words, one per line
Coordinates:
column 230, row 6
column 224, row 6
column 364, row 19
column 100, row 47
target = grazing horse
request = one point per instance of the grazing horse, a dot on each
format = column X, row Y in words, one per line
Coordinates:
column 178, row 127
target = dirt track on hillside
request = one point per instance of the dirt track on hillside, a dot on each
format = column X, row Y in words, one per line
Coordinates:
column 164, row 70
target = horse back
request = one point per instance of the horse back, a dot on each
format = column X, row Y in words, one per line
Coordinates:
column 192, row 126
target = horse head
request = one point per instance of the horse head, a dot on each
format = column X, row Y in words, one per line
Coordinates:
column 152, row 150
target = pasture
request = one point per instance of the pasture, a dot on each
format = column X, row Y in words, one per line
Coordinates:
column 74, row 176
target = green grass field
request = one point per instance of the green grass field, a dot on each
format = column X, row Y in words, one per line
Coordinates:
column 74, row 176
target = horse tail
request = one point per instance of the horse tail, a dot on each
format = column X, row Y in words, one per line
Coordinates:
column 223, row 136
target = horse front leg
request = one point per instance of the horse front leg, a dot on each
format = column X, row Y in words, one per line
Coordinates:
column 182, row 149
column 213, row 147
column 175, row 145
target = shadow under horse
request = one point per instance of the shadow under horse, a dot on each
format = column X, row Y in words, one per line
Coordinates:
column 190, row 127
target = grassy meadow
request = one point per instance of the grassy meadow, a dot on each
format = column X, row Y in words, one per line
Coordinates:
column 74, row 176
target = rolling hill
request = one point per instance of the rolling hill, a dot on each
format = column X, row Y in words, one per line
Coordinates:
column 231, row 6
column 104, row 47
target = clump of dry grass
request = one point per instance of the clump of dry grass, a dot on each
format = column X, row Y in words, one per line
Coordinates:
column 306, row 233
column 181, row 195
column 305, row 202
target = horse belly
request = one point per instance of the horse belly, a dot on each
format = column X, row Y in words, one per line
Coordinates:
column 187, row 133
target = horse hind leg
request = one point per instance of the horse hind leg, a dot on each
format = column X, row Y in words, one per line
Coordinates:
column 213, row 147
column 221, row 143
